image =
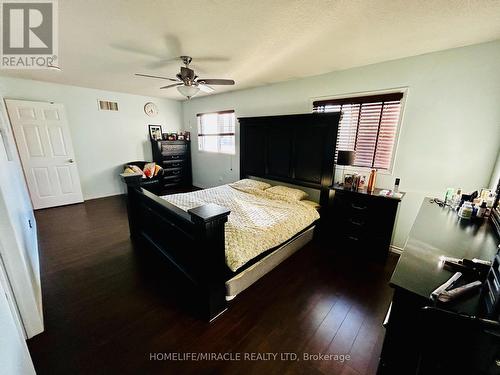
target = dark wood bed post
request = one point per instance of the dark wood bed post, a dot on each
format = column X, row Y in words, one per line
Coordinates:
column 132, row 182
column 209, row 221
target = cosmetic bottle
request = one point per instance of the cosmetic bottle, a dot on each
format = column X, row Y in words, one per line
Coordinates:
column 465, row 211
column 481, row 211
column 371, row 181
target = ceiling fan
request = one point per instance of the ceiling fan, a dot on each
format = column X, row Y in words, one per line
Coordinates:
column 187, row 82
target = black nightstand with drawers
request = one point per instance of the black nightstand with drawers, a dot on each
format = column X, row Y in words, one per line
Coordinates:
column 360, row 220
column 175, row 158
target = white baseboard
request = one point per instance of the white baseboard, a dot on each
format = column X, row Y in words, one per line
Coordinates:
column 396, row 249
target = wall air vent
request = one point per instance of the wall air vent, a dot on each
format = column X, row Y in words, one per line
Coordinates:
column 106, row 105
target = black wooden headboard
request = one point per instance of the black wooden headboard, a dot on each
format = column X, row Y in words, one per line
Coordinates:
column 297, row 149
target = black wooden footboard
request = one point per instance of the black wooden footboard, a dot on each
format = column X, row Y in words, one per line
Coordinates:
column 191, row 241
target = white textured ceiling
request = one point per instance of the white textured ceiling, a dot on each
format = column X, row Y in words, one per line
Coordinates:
column 260, row 41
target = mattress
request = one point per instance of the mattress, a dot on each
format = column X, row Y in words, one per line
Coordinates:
column 247, row 277
column 258, row 221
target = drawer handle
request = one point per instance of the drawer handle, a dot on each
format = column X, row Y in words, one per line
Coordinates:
column 353, row 238
column 176, row 164
column 358, row 223
column 358, row 207
column 176, row 172
column 175, row 156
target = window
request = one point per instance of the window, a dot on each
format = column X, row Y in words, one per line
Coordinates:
column 368, row 125
column 216, row 132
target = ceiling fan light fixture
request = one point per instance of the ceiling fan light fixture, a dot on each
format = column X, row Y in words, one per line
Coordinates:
column 188, row 91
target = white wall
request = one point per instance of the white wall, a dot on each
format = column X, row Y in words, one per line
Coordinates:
column 450, row 134
column 103, row 140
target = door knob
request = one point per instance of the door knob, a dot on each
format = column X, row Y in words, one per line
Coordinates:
column 71, row 161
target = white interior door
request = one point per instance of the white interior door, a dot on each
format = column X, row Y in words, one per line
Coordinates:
column 46, row 152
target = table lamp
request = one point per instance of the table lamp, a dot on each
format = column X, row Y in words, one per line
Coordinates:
column 345, row 157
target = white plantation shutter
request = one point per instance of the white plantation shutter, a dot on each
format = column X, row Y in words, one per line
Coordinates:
column 216, row 132
column 368, row 125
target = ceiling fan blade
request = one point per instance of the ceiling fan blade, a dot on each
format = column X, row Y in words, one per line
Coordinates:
column 173, row 47
column 135, row 49
column 163, row 62
column 211, row 59
column 150, row 76
column 210, row 81
column 205, row 88
column 173, row 85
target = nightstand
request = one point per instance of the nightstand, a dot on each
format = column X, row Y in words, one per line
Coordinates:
column 360, row 221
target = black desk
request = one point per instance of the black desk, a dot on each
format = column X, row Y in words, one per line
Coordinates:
column 436, row 232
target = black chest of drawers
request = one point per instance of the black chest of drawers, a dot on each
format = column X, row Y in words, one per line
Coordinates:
column 175, row 158
column 361, row 221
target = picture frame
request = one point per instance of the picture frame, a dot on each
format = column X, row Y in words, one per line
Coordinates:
column 363, row 181
column 348, row 180
column 355, row 182
column 155, row 132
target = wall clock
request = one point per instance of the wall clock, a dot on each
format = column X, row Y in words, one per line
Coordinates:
column 151, row 109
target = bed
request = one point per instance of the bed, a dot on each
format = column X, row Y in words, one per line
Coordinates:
column 259, row 221
column 223, row 239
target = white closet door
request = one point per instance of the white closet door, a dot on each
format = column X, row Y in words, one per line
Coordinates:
column 46, row 152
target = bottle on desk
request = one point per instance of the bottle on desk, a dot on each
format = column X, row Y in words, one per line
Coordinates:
column 466, row 210
column 481, row 211
column 455, row 202
column 371, row 181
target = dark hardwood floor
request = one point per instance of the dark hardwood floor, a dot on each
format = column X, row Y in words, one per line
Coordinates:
column 108, row 307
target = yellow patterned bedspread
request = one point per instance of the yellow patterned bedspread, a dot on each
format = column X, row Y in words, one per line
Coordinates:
column 258, row 220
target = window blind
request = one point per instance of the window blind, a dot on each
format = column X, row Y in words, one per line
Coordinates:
column 216, row 132
column 368, row 125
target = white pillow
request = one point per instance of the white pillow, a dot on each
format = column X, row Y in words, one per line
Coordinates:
column 247, row 183
column 286, row 192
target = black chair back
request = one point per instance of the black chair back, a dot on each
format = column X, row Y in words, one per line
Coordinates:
column 458, row 344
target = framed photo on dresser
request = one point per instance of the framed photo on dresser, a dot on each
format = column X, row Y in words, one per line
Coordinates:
column 155, row 132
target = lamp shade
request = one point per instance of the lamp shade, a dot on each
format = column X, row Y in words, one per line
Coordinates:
column 345, row 157
column 188, row 91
